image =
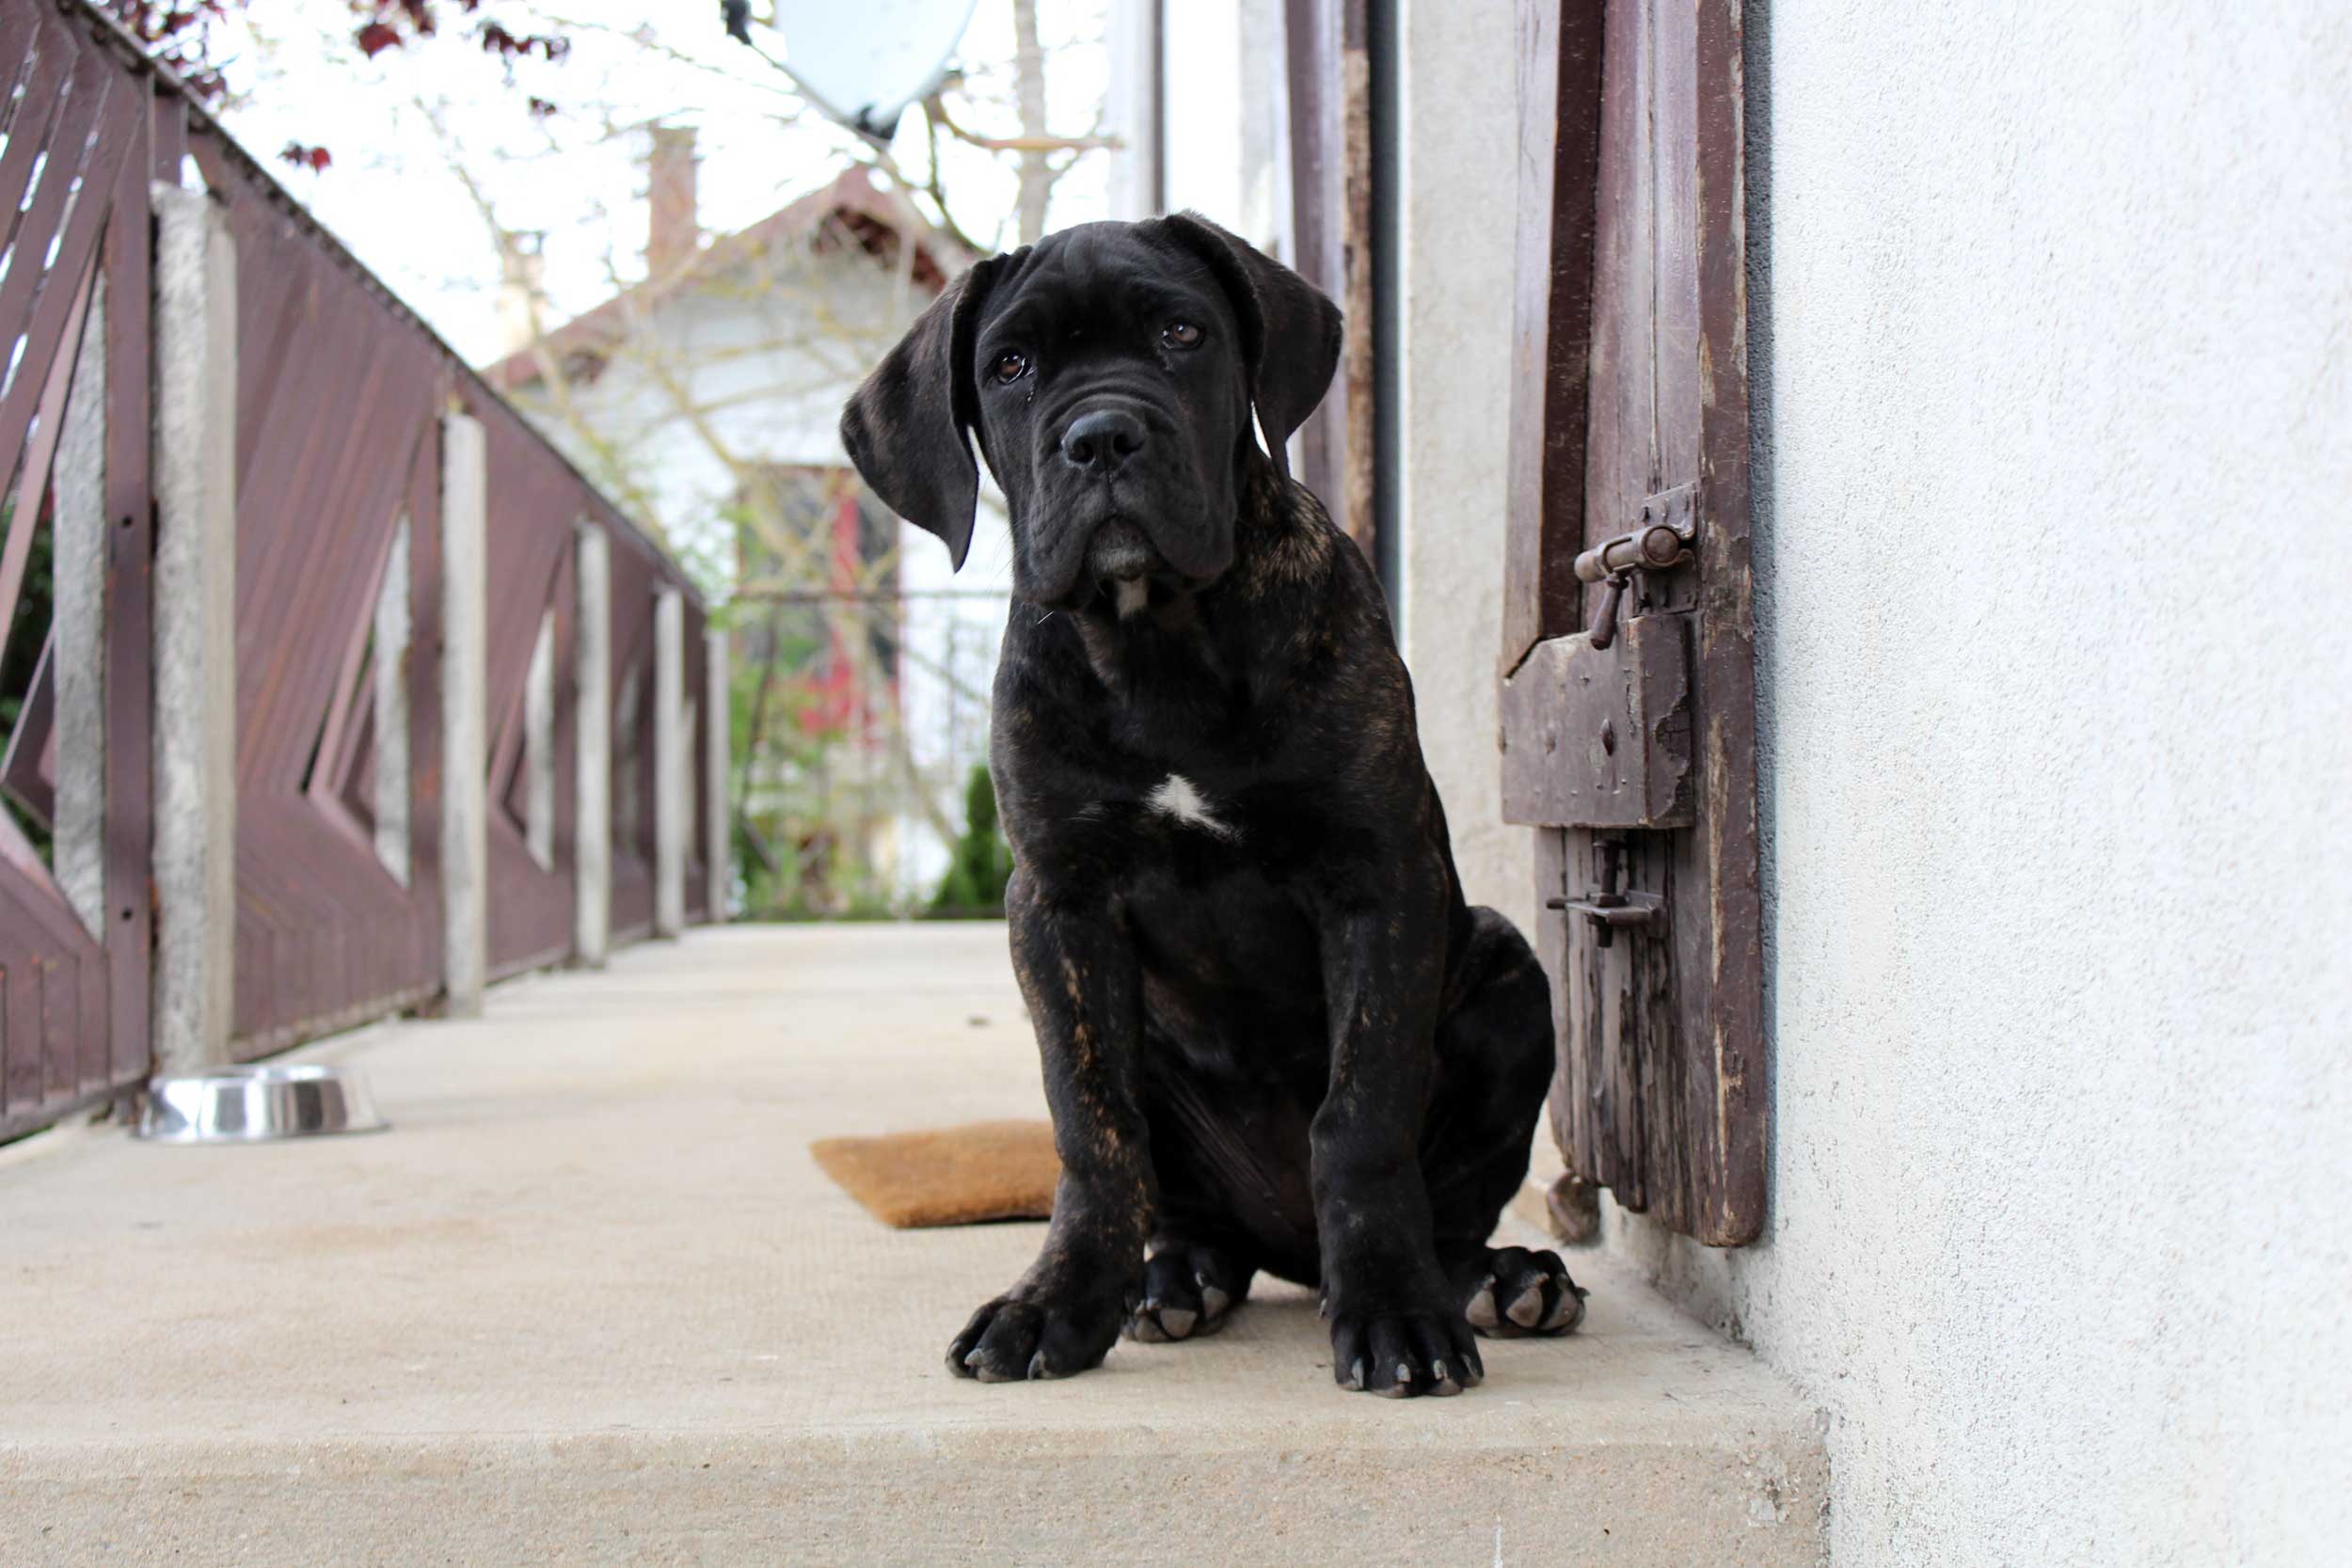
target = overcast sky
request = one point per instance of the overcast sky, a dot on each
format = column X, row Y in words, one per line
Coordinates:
column 394, row 193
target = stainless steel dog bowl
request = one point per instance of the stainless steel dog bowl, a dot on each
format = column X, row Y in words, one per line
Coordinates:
column 250, row 1105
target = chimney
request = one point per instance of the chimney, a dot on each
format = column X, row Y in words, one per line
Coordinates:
column 671, row 234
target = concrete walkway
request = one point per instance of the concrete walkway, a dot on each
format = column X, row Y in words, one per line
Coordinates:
column 591, row 1302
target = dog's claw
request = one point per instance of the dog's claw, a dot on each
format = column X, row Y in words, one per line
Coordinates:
column 1016, row 1339
column 1402, row 1355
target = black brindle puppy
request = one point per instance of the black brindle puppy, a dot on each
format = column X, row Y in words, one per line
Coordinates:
column 1274, row 1036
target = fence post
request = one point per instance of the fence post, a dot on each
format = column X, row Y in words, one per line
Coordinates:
column 465, row 715
column 719, row 842
column 591, row 800
column 195, row 630
column 671, row 767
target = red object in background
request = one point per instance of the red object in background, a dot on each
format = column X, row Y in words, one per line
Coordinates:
column 836, row 701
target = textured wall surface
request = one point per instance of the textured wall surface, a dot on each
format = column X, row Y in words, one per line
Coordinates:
column 2053, row 364
column 1458, row 194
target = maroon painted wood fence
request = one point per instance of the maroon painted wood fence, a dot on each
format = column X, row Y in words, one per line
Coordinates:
column 340, row 394
column 75, row 163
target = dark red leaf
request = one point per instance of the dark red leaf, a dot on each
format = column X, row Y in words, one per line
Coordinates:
column 375, row 38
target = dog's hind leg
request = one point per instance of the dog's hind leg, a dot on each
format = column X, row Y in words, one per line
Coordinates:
column 1202, row 1263
column 1521, row 1290
column 1190, row 1288
column 1494, row 1064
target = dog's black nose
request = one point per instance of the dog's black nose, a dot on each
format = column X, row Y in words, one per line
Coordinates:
column 1103, row 439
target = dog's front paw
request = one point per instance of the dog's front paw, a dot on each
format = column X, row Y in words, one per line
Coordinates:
column 1023, row 1336
column 1404, row 1353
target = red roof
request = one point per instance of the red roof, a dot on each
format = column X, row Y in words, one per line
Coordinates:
column 851, row 210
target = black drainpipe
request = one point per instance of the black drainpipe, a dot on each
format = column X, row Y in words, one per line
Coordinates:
column 1380, row 42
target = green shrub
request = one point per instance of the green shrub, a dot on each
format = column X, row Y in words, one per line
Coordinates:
column 980, row 862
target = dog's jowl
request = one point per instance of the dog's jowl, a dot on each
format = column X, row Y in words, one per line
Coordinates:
column 1274, row 1035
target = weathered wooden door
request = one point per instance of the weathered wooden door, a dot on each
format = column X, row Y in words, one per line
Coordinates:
column 1629, row 695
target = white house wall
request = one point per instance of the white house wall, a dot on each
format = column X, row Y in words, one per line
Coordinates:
column 768, row 379
column 1456, row 199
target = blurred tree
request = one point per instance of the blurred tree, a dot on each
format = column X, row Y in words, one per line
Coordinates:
column 183, row 34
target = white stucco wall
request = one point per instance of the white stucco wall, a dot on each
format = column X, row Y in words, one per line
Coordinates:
column 1457, row 192
column 2053, row 362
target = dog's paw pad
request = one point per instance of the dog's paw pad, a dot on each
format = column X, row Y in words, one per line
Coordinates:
column 1524, row 1292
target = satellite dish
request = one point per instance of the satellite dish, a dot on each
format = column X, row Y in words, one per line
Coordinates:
column 864, row 62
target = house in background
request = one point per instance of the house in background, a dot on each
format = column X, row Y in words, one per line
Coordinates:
column 707, row 395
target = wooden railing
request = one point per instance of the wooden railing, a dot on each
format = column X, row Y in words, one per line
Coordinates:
column 301, row 557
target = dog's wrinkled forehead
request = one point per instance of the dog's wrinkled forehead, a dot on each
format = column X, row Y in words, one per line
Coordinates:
column 1171, row 341
column 1101, row 279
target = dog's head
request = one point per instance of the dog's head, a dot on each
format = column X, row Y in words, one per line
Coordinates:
column 1110, row 373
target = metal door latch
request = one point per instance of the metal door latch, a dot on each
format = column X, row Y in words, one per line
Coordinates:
column 1609, row 906
column 1662, row 540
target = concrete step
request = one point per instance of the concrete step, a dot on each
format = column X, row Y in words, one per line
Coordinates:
column 591, row 1301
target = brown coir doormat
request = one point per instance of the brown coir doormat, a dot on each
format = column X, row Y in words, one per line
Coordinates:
column 986, row 1170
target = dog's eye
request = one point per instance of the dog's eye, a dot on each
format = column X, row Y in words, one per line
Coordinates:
column 1010, row 368
column 1181, row 334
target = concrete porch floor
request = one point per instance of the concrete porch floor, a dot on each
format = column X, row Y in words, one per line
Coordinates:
column 591, row 1302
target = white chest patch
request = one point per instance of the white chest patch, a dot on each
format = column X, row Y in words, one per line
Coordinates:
column 1177, row 797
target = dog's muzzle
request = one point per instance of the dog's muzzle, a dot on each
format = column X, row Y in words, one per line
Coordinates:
column 1119, row 559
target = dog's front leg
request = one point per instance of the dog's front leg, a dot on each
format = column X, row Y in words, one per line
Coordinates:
column 1397, row 1326
column 1085, row 990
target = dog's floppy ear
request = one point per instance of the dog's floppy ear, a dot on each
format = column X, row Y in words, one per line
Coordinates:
column 907, row 427
column 1291, row 332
